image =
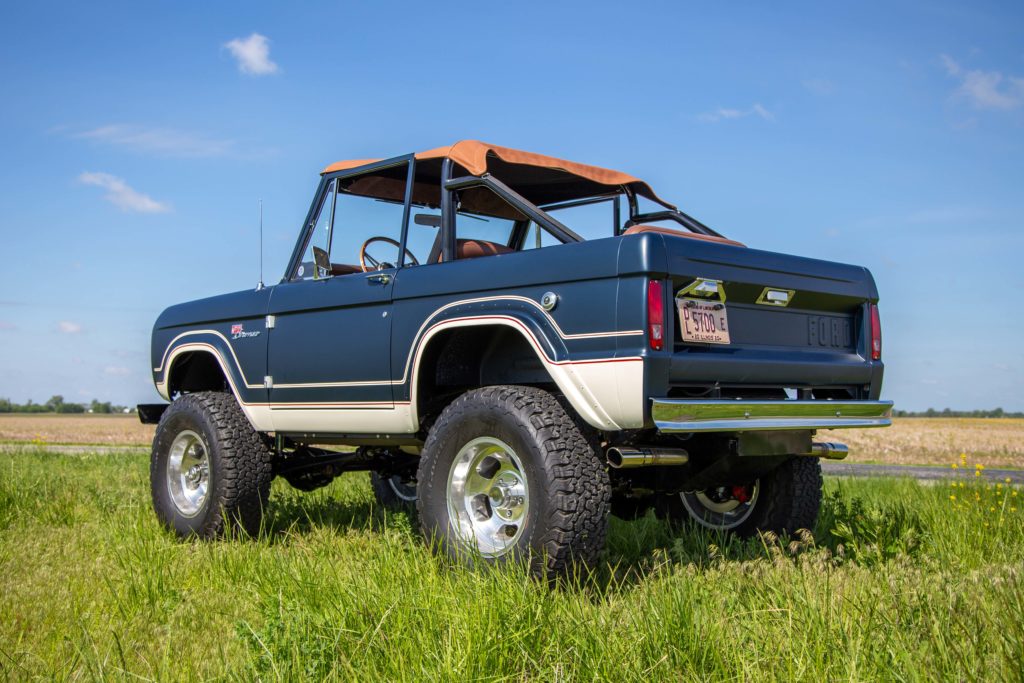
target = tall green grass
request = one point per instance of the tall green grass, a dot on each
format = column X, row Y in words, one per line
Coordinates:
column 898, row 582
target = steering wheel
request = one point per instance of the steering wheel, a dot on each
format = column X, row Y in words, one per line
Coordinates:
column 374, row 263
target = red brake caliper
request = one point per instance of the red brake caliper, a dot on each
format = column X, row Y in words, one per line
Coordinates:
column 741, row 493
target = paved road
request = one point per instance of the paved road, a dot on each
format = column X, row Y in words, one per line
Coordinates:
column 829, row 467
column 851, row 469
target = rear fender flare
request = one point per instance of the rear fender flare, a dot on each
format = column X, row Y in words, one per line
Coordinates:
column 593, row 386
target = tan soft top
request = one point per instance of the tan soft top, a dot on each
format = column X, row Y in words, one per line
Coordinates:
column 513, row 167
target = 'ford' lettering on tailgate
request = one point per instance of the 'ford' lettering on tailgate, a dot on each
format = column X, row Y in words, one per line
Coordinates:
column 826, row 331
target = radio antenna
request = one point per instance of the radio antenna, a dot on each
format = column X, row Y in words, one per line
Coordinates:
column 259, row 285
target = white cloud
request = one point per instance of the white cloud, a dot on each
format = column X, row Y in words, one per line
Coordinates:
column 253, row 55
column 723, row 114
column 161, row 141
column 116, row 370
column 985, row 89
column 68, row 327
column 121, row 195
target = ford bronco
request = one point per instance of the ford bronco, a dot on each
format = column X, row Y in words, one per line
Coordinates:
column 444, row 324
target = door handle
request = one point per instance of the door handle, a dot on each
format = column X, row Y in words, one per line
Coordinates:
column 379, row 278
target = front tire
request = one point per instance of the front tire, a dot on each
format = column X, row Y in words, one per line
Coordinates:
column 784, row 500
column 505, row 474
column 210, row 471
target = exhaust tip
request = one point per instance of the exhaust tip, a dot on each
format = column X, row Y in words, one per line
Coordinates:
column 614, row 456
column 622, row 458
column 830, row 451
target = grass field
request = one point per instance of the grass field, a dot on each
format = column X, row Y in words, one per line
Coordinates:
column 900, row 582
column 910, row 441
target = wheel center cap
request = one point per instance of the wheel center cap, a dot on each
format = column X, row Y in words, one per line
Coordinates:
column 507, row 497
column 193, row 475
column 498, row 494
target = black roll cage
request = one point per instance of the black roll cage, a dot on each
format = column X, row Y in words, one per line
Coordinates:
column 451, row 186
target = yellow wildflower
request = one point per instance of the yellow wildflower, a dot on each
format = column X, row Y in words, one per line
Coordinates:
column 955, row 466
column 978, row 466
column 952, row 497
column 1007, row 480
column 977, row 473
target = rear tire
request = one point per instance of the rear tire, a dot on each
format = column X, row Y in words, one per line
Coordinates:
column 210, row 471
column 506, row 474
column 784, row 500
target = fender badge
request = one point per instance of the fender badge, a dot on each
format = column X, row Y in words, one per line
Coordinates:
column 238, row 332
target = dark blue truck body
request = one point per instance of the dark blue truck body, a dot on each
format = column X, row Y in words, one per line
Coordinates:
column 343, row 354
column 513, row 381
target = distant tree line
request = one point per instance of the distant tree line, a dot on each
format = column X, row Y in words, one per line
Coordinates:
column 946, row 412
column 57, row 404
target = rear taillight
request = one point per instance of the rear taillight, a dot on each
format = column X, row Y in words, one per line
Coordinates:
column 655, row 315
column 876, row 334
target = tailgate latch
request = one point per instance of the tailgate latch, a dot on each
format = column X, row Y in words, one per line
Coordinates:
column 775, row 297
column 704, row 289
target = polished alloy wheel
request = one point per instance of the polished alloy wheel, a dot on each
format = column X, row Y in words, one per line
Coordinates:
column 188, row 473
column 723, row 507
column 488, row 496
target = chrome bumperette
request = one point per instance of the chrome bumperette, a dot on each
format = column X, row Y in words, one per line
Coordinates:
column 724, row 415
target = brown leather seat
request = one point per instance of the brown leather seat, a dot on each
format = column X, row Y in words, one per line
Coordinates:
column 637, row 229
column 344, row 269
column 478, row 248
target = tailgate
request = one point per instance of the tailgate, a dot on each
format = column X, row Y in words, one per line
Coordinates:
column 794, row 327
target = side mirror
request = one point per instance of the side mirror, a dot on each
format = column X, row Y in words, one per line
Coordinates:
column 321, row 264
column 429, row 220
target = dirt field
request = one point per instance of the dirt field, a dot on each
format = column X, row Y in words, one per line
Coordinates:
column 108, row 430
column 910, row 441
column 937, row 441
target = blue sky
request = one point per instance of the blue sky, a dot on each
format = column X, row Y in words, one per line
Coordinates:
column 138, row 137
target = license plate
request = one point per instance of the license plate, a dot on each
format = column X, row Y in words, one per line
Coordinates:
column 705, row 322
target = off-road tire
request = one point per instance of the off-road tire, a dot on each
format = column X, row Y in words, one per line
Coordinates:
column 240, row 466
column 386, row 495
column 789, row 499
column 569, row 490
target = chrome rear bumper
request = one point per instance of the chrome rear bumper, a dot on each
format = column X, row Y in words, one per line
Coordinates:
column 687, row 415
